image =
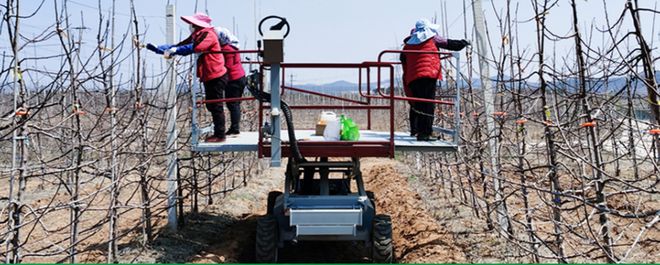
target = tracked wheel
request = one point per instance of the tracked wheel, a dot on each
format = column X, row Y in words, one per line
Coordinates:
column 372, row 198
column 272, row 197
column 267, row 237
column 381, row 236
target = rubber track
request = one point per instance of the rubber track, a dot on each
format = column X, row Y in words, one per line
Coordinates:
column 266, row 245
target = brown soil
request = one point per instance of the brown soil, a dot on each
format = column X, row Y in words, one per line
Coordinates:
column 418, row 238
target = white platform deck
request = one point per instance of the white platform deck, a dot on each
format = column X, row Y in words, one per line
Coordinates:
column 247, row 142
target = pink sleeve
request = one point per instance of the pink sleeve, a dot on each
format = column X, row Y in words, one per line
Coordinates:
column 204, row 42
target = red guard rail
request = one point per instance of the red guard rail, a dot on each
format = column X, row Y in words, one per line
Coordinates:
column 355, row 148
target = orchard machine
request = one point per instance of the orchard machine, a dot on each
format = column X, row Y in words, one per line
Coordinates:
column 319, row 200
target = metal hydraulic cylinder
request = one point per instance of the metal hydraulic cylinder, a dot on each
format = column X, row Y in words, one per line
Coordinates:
column 275, row 113
column 274, row 55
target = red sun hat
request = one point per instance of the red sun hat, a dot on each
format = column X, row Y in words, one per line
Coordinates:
column 198, row 19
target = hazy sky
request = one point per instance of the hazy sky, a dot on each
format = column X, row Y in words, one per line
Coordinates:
column 331, row 31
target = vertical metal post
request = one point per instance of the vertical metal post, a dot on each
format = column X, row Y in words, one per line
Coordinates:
column 11, row 258
column 14, row 256
column 489, row 107
column 276, row 142
column 19, row 145
column 368, row 98
column 194, row 128
column 171, row 113
column 457, row 103
column 260, row 115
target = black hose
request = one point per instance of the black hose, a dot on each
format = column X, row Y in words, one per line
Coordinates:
column 253, row 81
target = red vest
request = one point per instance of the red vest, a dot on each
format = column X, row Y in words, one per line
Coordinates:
column 233, row 62
column 211, row 63
column 422, row 65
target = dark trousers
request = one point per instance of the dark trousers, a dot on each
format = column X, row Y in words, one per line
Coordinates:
column 215, row 89
column 421, row 113
column 235, row 89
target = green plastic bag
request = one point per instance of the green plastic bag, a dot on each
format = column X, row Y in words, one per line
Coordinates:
column 349, row 129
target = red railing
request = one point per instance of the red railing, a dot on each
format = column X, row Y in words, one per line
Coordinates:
column 344, row 148
column 341, row 148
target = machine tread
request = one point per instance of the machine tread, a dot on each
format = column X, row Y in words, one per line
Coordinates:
column 383, row 249
column 272, row 197
column 372, row 198
column 266, row 241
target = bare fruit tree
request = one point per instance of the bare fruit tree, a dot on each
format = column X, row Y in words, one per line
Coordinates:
column 578, row 132
column 87, row 160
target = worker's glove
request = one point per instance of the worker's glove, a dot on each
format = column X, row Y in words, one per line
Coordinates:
column 456, row 45
column 153, row 48
column 158, row 49
column 466, row 42
column 169, row 52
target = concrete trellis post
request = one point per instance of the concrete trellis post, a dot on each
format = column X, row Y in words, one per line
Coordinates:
column 169, row 94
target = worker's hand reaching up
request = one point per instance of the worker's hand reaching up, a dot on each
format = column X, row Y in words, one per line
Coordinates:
column 153, row 48
column 168, row 49
column 159, row 49
column 456, row 45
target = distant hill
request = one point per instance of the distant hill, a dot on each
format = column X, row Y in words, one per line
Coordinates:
column 340, row 86
column 614, row 84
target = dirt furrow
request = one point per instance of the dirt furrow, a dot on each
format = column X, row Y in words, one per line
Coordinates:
column 418, row 238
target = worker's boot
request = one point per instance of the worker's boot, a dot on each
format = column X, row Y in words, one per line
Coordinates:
column 425, row 138
column 232, row 131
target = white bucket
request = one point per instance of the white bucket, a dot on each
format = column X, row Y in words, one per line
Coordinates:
column 332, row 128
column 327, row 116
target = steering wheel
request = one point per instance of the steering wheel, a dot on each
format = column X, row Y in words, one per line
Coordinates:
column 279, row 26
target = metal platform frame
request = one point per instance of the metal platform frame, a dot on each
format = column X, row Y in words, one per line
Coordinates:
column 248, row 142
column 385, row 147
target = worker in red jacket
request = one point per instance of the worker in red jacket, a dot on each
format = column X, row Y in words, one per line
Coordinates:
column 421, row 71
column 236, row 86
column 211, row 69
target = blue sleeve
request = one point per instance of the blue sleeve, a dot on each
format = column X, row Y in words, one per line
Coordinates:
column 165, row 47
column 184, row 49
